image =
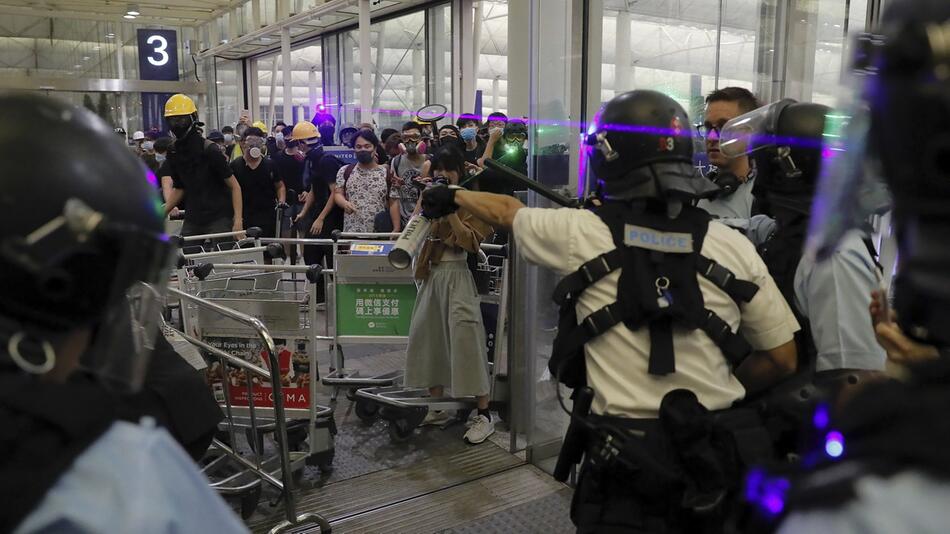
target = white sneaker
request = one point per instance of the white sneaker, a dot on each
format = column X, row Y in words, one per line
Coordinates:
column 436, row 418
column 481, row 428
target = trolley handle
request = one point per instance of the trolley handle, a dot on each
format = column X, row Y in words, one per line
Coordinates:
column 495, row 250
column 337, row 235
column 312, row 272
column 253, row 232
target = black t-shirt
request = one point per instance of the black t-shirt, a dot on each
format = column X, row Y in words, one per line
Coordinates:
column 471, row 156
column 290, row 172
column 323, row 169
column 258, row 187
column 202, row 171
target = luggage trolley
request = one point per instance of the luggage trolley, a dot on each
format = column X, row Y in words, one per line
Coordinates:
column 405, row 408
column 262, row 292
column 368, row 301
column 280, row 470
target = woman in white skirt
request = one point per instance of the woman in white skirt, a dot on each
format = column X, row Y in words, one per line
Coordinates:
column 446, row 337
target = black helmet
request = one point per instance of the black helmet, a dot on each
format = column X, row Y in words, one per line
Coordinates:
column 643, row 147
column 516, row 127
column 788, row 154
column 79, row 229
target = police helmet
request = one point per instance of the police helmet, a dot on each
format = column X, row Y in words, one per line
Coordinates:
column 641, row 146
column 785, row 141
column 82, row 243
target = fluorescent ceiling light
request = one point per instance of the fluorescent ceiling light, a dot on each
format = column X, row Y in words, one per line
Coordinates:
column 133, row 10
column 130, row 17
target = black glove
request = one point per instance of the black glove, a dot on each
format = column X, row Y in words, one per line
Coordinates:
column 439, row 201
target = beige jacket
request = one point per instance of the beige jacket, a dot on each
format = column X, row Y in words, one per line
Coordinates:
column 459, row 230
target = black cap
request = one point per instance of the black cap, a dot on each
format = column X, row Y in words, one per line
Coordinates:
column 215, row 135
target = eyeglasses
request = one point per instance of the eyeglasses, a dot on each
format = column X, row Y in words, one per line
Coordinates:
column 705, row 129
column 412, row 138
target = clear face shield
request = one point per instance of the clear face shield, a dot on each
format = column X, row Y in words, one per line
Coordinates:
column 753, row 131
column 850, row 187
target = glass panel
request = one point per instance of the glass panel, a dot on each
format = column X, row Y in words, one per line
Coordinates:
column 307, row 79
column 269, row 90
column 550, row 138
column 440, row 42
column 398, row 66
column 229, row 85
column 492, row 62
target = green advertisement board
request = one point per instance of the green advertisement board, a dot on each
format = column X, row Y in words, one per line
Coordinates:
column 374, row 309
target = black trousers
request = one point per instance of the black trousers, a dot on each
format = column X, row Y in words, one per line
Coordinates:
column 649, row 492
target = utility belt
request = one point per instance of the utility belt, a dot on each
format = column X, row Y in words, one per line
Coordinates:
column 688, row 451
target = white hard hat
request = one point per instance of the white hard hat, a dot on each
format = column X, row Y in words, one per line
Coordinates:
column 138, row 135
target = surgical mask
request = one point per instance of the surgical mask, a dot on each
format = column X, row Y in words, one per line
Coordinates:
column 160, row 157
column 364, row 156
column 468, row 134
column 228, row 138
column 148, row 145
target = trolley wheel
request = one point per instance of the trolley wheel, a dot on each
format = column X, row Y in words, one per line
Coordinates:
column 351, row 394
column 400, row 430
column 255, row 441
column 367, row 410
column 296, row 438
column 249, row 501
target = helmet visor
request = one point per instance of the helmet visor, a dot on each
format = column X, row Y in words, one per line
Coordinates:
column 851, row 187
column 750, row 132
column 125, row 336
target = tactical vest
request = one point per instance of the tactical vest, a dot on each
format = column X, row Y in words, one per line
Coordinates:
column 44, row 427
column 659, row 257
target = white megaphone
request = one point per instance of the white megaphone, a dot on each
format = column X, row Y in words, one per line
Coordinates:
column 410, row 242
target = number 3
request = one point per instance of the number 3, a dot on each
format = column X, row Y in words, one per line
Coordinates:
column 159, row 49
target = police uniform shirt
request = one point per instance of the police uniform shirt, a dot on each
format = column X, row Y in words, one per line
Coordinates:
column 738, row 205
column 134, row 478
column 909, row 501
column 564, row 239
column 834, row 295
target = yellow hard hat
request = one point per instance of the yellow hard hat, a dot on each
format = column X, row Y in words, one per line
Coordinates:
column 304, row 130
column 179, row 105
column 260, row 125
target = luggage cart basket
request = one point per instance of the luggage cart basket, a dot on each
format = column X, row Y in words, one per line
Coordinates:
column 283, row 305
column 368, row 301
column 254, row 469
column 405, row 408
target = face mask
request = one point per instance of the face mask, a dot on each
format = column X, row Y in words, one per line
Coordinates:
column 364, row 156
column 228, row 138
column 299, row 156
column 255, row 153
column 181, row 131
column 326, row 134
column 468, row 134
column 159, row 157
column 412, row 148
column 148, row 145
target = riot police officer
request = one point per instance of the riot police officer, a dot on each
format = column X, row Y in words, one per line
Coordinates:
column 668, row 317
column 837, row 343
column 80, row 297
column 881, row 466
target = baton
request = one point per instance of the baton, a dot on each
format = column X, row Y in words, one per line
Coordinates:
column 522, row 180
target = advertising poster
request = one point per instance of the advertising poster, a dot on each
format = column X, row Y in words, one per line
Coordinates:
column 294, row 360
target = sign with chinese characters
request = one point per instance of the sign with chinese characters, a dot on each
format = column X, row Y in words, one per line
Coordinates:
column 374, row 309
